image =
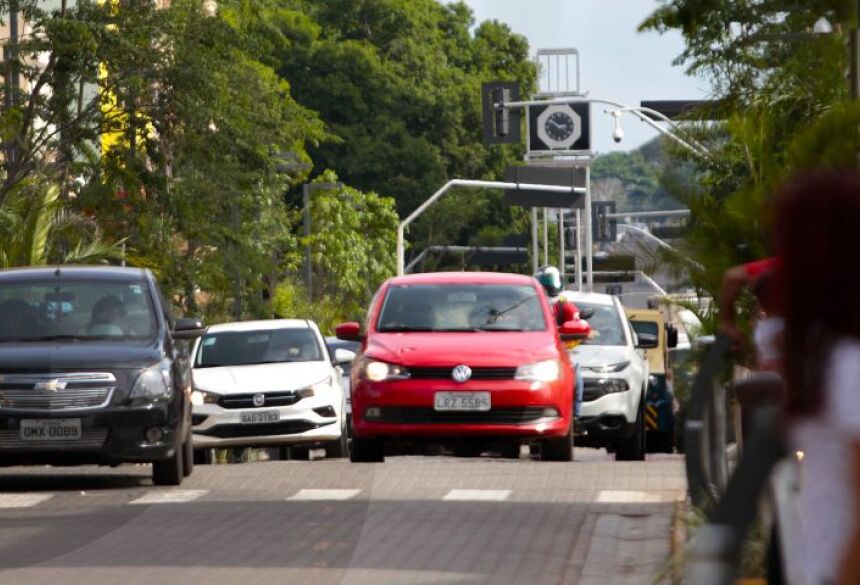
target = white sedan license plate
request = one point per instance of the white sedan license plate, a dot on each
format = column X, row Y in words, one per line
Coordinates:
column 462, row 401
column 259, row 417
column 50, row 429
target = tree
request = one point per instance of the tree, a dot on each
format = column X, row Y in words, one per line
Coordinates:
column 35, row 230
column 353, row 251
column 202, row 164
column 782, row 92
column 398, row 81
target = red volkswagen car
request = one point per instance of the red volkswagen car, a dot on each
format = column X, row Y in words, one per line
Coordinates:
column 466, row 359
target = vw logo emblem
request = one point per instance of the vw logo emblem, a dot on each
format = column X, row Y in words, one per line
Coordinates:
column 461, row 373
column 259, row 399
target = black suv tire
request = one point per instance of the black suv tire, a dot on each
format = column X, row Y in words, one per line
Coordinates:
column 169, row 471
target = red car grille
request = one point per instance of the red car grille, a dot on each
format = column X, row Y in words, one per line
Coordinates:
column 444, row 373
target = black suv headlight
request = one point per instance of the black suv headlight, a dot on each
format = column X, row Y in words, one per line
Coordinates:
column 154, row 384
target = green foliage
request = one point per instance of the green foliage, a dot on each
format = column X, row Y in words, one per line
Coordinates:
column 35, row 230
column 783, row 109
column 352, row 243
column 632, row 179
column 399, row 82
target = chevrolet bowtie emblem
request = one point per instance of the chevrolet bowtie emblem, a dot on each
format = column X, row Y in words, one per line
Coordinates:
column 54, row 385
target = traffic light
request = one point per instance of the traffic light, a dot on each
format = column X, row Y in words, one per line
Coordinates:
column 502, row 95
column 501, row 124
column 604, row 227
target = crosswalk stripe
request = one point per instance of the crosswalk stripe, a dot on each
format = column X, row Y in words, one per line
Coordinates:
column 169, row 496
column 24, row 500
column 477, row 495
column 626, row 497
column 323, row 495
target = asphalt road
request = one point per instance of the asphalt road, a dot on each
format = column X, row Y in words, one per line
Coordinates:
column 421, row 520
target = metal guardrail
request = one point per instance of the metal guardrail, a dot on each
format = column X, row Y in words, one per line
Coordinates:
column 729, row 495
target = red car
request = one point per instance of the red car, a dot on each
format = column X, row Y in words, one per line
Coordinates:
column 465, row 359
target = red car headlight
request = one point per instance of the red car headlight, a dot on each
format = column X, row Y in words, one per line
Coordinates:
column 377, row 371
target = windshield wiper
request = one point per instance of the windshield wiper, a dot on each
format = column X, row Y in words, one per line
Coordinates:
column 495, row 314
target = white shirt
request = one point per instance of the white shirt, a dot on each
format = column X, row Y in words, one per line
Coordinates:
column 826, row 491
column 768, row 342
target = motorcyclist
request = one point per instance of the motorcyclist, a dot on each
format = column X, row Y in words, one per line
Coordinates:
column 564, row 310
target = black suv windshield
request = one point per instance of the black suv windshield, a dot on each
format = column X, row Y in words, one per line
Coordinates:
column 461, row 307
column 75, row 311
column 245, row 348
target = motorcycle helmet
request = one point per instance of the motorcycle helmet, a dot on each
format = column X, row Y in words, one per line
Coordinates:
column 550, row 279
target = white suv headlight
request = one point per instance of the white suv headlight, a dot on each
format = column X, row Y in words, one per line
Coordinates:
column 608, row 368
column 154, row 383
column 546, row 371
column 201, row 397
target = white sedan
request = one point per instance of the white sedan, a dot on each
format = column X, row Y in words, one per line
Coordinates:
column 268, row 384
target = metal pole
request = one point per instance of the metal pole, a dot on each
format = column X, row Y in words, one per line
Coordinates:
column 475, row 185
column 535, row 251
column 561, row 258
column 545, row 236
column 578, row 250
column 306, row 220
column 589, row 235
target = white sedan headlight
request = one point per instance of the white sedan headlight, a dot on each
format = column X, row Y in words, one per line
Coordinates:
column 546, row 371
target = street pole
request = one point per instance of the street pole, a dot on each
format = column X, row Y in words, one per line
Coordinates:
column 535, row 250
column 589, row 235
column 561, row 260
column 545, row 236
column 474, row 184
column 578, row 250
column 10, row 56
column 306, row 222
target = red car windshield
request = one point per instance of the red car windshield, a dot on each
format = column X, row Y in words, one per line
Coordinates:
column 461, row 307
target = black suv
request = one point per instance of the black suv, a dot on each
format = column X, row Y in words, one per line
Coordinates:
column 91, row 371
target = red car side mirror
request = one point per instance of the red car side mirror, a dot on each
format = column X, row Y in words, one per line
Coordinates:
column 349, row 331
column 574, row 330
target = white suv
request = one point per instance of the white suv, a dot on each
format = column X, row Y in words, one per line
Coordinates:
column 268, row 383
column 615, row 372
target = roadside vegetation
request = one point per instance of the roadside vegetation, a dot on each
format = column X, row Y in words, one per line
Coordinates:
column 178, row 136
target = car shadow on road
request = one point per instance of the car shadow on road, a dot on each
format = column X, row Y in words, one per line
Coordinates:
column 14, row 481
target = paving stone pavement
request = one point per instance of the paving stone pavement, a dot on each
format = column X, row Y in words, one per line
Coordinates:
column 410, row 520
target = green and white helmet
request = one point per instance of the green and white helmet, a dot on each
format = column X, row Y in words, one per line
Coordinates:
column 550, row 279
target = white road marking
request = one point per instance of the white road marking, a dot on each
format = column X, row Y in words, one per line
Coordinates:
column 477, row 495
column 323, row 495
column 24, row 500
column 169, row 496
column 627, row 497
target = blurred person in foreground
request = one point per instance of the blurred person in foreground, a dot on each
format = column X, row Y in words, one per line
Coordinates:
column 817, row 240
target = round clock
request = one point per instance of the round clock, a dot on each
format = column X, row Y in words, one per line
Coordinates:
column 558, row 127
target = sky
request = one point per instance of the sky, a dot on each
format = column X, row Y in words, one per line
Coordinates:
column 617, row 62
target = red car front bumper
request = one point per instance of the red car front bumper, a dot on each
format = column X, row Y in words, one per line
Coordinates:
column 405, row 408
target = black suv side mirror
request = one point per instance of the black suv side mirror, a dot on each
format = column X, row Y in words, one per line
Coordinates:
column 188, row 328
column 647, row 341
